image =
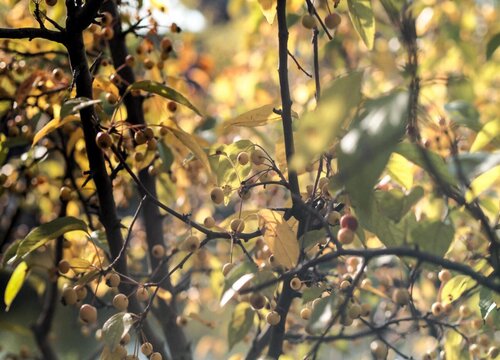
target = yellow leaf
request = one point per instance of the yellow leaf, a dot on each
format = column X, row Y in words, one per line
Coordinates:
column 483, row 182
column 79, row 265
column 268, row 8
column 489, row 132
column 15, row 283
column 192, row 144
column 280, row 237
column 401, row 170
column 53, row 125
column 256, row 117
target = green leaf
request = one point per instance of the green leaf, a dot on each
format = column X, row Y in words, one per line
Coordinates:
column 488, row 302
column 433, row 237
column 455, row 287
column 492, row 45
column 225, row 166
column 10, row 252
column 489, row 132
column 463, row 113
column 400, row 170
column 312, row 238
column 366, row 148
column 240, row 324
column 40, row 235
column 317, row 130
column 231, row 285
column 257, row 117
column 4, row 150
column 474, row 164
column 72, row 106
column 115, row 328
column 362, row 17
column 395, row 203
column 413, row 153
column 15, row 283
column 309, row 294
column 166, row 155
column 263, row 277
column 164, row 91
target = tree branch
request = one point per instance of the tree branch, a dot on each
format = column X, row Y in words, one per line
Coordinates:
column 32, row 33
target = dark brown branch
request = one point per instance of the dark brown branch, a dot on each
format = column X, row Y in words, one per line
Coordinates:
column 32, row 33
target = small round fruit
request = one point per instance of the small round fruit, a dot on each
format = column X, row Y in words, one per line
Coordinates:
column 191, row 243
column 64, row 266
column 113, row 280
column 332, row 21
column 69, row 296
column 444, row 275
column 354, row 311
column 345, row 236
column 305, row 313
column 217, row 195
column 365, row 309
column 51, row 2
column 65, row 195
column 295, row 284
column 58, row 74
column 226, row 268
column 344, row 285
column 181, row 320
column 464, row 311
column 140, row 138
column 149, row 133
column 243, row 158
column 257, row 156
column 257, row 301
column 273, row 318
column 378, row 349
column 125, row 339
column 158, row 251
column 401, row 296
column 120, row 302
column 103, row 140
column 148, row 63
column 155, row 356
column 493, row 352
column 474, row 349
column 166, row 44
column 130, row 60
column 88, row 314
column 147, row 348
column 308, row 21
column 349, row 222
column 237, row 225
column 111, row 98
column 142, row 294
column 172, row 106
column 81, row 292
column 437, row 308
column 209, row 222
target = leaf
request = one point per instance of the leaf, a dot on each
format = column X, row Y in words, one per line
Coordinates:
column 463, row 113
column 483, row 183
column 280, row 238
column 492, row 45
column 490, row 132
column 231, row 285
column 413, row 153
column 312, row 238
column 115, row 328
column 268, row 8
column 15, row 283
column 240, row 324
column 395, row 203
column 88, row 277
column 263, row 277
column 433, row 237
column 455, row 287
column 51, row 126
column 488, row 301
column 79, row 265
column 166, row 155
column 164, row 91
column 256, row 117
column 362, row 17
column 40, row 235
column 107, row 354
column 4, row 150
column 317, row 130
column 192, row 144
column 471, row 165
column 366, row 148
column 309, row 294
column 73, row 106
column 400, row 170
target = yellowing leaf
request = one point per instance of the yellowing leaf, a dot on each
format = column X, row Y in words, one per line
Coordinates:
column 192, row 144
column 489, row 132
column 15, row 283
column 454, row 288
column 401, row 170
column 268, row 8
column 280, row 237
column 240, row 324
column 483, row 182
column 256, row 117
column 362, row 17
column 52, row 125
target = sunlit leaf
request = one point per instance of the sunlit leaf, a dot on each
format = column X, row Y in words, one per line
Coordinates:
column 15, row 284
column 366, row 148
column 72, row 106
column 433, row 237
column 4, row 150
column 463, row 113
column 471, row 165
column 483, row 183
column 490, row 132
column 46, row 232
column 164, row 91
column 240, row 324
column 231, row 285
column 492, row 45
column 488, row 301
column 256, row 117
column 401, row 170
column 51, row 126
column 362, row 17
column 280, row 238
column 268, row 8
column 115, row 328
column 455, row 287
column 395, row 203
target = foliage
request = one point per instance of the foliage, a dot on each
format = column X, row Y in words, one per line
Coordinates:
column 165, row 193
